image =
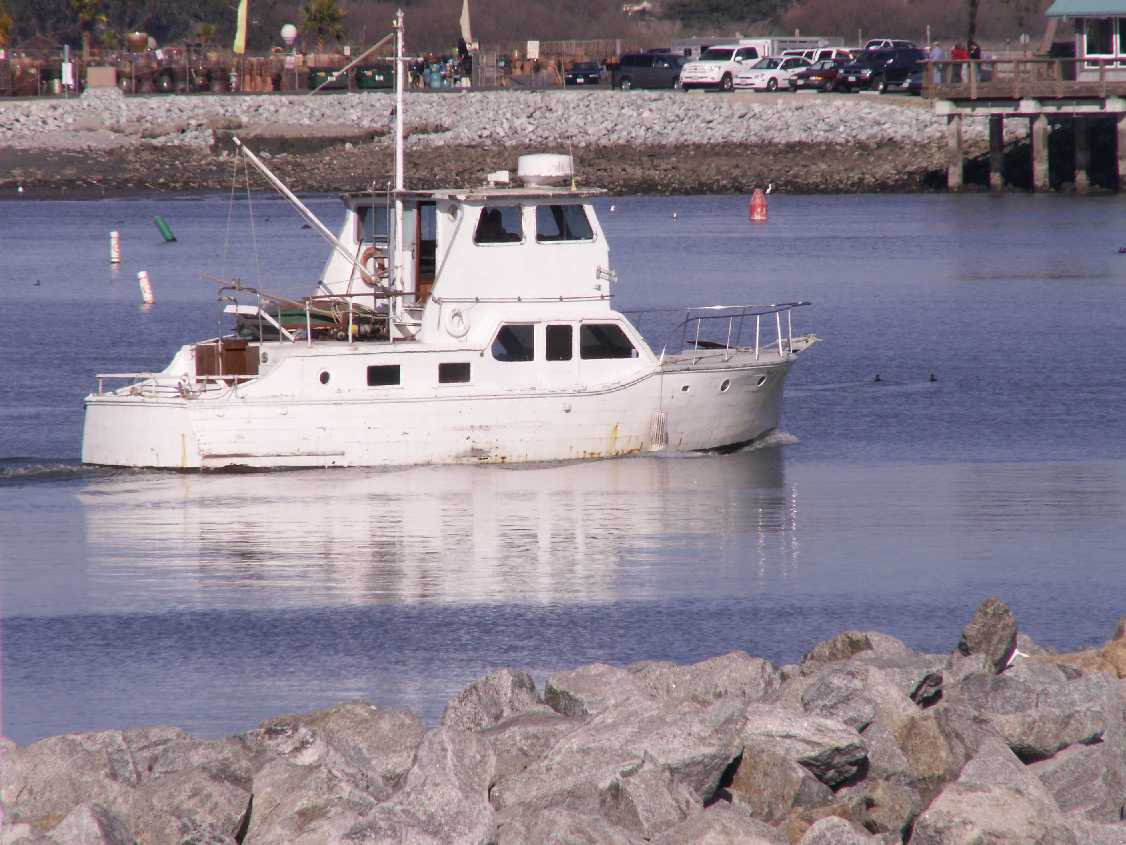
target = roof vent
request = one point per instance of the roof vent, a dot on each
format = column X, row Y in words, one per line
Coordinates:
column 543, row 169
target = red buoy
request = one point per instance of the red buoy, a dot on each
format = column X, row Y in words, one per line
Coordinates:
column 757, row 206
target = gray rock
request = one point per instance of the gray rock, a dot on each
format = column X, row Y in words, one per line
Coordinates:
column 938, row 742
column 734, row 674
column 693, row 745
column 492, row 699
column 772, row 786
column 995, row 800
column 883, row 806
column 445, row 798
column 559, row 826
column 590, row 690
column 835, row 831
column 373, row 746
column 721, row 824
column 304, row 805
column 1095, row 833
column 91, row 824
column 991, row 632
column 853, row 692
column 646, row 801
column 189, row 806
column 522, row 740
column 225, row 759
column 849, row 644
column 1038, row 710
column 1086, row 780
column 831, row 750
column 42, row 783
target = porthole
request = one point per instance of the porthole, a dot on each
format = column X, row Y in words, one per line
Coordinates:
column 761, row 381
column 725, row 385
column 265, row 357
column 684, row 388
column 325, row 377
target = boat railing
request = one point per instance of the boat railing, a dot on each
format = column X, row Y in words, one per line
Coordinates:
column 165, row 386
column 719, row 327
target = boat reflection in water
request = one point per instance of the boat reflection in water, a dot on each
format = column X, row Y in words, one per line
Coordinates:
column 634, row 528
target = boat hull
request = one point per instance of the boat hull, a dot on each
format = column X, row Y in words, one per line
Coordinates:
column 678, row 407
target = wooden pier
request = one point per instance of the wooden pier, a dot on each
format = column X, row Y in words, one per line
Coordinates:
column 1078, row 91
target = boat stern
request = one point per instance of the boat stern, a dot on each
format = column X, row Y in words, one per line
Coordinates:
column 132, row 431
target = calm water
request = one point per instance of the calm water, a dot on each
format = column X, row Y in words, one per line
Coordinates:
column 212, row 602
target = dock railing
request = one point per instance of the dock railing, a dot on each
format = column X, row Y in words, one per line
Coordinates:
column 700, row 328
column 1016, row 79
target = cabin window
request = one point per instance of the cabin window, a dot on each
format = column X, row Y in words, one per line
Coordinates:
column 559, row 343
column 453, row 373
column 604, row 340
column 499, row 224
column 1100, row 36
column 562, row 223
column 515, row 343
column 383, row 376
column 371, row 223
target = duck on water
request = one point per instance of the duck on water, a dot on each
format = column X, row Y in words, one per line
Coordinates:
column 452, row 326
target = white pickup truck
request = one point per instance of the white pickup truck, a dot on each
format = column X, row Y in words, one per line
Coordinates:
column 718, row 66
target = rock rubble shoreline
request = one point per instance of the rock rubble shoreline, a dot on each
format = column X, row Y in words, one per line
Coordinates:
column 654, row 142
column 863, row 741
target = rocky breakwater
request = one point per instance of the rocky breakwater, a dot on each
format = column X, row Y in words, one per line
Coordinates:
column 864, row 741
column 652, row 142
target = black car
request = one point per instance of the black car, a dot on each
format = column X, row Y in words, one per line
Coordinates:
column 880, row 69
column 647, row 70
column 583, row 73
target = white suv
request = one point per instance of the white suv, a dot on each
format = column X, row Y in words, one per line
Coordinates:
column 717, row 67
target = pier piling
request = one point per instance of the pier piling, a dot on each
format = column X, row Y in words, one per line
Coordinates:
column 1082, row 155
column 996, row 153
column 1041, row 181
column 954, row 152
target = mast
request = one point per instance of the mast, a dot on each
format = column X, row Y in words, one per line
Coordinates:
column 400, row 70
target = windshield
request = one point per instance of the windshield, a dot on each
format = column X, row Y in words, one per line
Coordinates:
column 584, row 67
column 717, row 54
column 765, row 64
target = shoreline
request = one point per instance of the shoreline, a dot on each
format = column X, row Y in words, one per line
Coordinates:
column 864, row 742
column 814, row 168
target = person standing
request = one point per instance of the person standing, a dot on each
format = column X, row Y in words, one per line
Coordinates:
column 959, row 54
column 974, row 52
column 937, row 54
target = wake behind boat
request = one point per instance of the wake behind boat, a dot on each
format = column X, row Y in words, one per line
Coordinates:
column 453, row 326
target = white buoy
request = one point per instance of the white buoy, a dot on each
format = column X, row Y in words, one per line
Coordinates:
column 675, row 215
column 19, row 189
column 146, row 287
column 114, row 248
column 611, row 208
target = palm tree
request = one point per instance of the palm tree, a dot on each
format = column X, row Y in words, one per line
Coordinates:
column 89, row 14
column 324, row 19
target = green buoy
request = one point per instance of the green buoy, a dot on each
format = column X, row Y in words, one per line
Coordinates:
column 165, row 229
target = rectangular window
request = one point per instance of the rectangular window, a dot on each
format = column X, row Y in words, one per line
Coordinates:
column 562, row 223
column 1100, row 36
column 499, row 224
column 454, row 373
column 383, row 376
column 559, row 343
column 371, row 223
column 604, row 340
column 515, row 343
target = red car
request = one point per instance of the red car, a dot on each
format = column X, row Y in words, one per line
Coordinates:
column 821, row 76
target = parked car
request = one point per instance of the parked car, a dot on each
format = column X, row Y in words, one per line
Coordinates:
column 717, row 67
column 914, row 83
column 880, row 69
column 821, row 76
column 647, row 70
column 771, row 73
column 888, row 44
column 583, row 73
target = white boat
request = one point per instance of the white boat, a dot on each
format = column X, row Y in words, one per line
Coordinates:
column 453, row 326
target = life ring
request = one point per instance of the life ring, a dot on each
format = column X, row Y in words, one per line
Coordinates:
column 457, row 324
column 378, row 267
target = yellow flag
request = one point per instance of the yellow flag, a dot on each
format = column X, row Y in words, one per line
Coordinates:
column 240, row 33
